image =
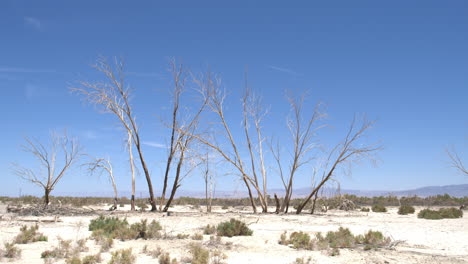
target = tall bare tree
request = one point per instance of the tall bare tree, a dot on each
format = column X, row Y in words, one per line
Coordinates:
column 182, row 132
column 114, row 96
column 347, row 152
column 210, row 86
column 54, row 159
column 302, row 135
column 100, row 165
column 456, row 162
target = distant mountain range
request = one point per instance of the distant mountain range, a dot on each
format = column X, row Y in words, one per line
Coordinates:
column 460, row 190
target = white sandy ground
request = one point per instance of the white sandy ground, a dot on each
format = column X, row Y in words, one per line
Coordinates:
column 424, row 241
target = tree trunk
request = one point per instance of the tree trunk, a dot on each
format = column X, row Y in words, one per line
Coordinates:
column 132, row 203
column 314, row 203
column 277, row 204
column 46, row 197
column 176, row 181
column 252, row 201
column 148, row 179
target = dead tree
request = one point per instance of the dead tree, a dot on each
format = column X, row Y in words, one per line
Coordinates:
column 346, row 152
column 182, row 133
column 209, row 179
column 55, row 160
column 104, row 165
column 114, row 96
column 210, row 86
column 456, row 162
column 302, row 135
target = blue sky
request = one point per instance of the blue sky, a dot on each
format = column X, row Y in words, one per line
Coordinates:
column 403, row 63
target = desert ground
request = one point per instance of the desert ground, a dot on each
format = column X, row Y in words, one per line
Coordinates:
column 413, row 240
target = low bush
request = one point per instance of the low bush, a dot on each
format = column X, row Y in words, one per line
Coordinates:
column 303, row 261
column 28, row 235
column 209, row 229
column 232, row 228
column 365, row 209
column 299, row 240
column 343, row 238
column 113, row 227
column 165, row 258
column 123, row 256
column 199, row 255
column 182, row 236
column 406, row 209
column 379, row 208
column 62, row 250
column 197, row 236
column 92, row 259
column 440, row 214
column 11, row 251
column 372, row 239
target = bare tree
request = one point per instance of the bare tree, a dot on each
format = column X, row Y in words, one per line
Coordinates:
column 302, row 134
column 210, row 86
column 182, row 133
column 114, row 96
column 456, row 162
column 209, row 179
column 55, row 160
column 349, row 151
column 100, row 165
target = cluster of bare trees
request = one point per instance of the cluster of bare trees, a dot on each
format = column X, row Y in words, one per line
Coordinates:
column 194, row 141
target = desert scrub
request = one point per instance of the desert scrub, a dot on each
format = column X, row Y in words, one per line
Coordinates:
column 343, row 238
column 299, row 240
column 365, row 209
column 11, row 251
column 65, row 249
column 406, row 209
column 232, row 228
column 209, row 229
column 197, row 236
column 113, row 227
column 102, row 240
column 302, row 261
column 28, row 235
column 123, row 256
column 440, row 214
column 182, row 236
column 199, row 255
column 379, row 208
column 372, row 239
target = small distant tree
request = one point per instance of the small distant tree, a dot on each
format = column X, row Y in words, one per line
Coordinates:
column 104, row 165
column 209, row 179
column 456, row 162
column 55, row 159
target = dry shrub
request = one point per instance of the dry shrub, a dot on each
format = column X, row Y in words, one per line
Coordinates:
column 11, row 251
column 232, row 228
column 123, row 256
column 209, row 229
column 199, row 255
column 406, row 209
column 197, row 236
column 28, row 235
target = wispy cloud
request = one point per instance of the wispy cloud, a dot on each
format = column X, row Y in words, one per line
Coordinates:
column 285, row 70
column 154, row 144
column 24, row 70
column 34, row 23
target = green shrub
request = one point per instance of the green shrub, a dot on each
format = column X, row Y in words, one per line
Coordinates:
column 406, row 209
column 209, row 229
column 108, row 225
column 379, row 208
column 197, row 236
column 365, row 209
column 372, row 239
column 232, row 228
column 343, row 238
column 297, row 239
column 199, row 254
column 440, row 214
column 114, row 227
column 123, row 256
column 225, row 207
column 11, row 251
column 28, row 235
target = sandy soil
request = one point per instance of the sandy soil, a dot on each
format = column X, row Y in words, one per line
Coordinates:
column 421, row 241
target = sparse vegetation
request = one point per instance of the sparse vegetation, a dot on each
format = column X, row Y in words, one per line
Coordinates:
column 365, row 209
column 197, row 236
column 11, row 251
column 299, row 240
column 232, row 228
column 113, row 227
column 377, row 208
column 123, row 256
column 199, row 255
column 406, row 209
column 28, row 235
column 209, row 229
column 440, row 214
